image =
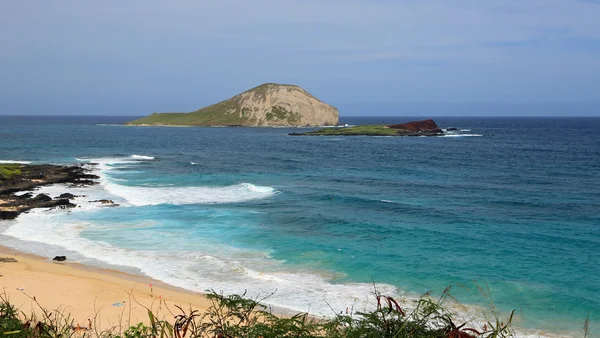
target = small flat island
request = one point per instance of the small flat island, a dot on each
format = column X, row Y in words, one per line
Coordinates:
column 415, row 128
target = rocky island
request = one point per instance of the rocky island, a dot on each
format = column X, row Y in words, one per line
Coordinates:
column 415, row 128
column 268, row 105
column 15, row 178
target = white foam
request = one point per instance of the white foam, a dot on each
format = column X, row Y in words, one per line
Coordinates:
column 461, row 135
column 149, row 195
column 15, row 162
column 339, row 126
column 140, row 196
column 193, row 163
column 217, row 267
column 142, row 157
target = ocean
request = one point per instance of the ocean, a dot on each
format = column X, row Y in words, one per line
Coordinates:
column 509, row 205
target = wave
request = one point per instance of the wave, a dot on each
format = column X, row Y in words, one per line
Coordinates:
column 193, row 163
column 141, row 196
column 142, row 157
column 16, row 162
column 461, row 135
column 144, row 195
column 211, row 266
column 208, row 266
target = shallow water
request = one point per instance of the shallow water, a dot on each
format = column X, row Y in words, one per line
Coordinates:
column 508, row 204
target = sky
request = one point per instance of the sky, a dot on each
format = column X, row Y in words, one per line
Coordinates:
column 366, row 57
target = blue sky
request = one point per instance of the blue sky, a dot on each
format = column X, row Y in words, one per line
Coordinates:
column 368, row 57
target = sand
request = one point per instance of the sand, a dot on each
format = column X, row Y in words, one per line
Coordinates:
column 107, row 298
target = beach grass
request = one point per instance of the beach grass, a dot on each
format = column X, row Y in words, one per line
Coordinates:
column 240, row 316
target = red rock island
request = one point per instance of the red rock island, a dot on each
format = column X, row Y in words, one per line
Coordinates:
column 417, row 126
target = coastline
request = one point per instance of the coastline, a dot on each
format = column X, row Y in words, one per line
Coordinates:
column 86, row 301
column 109, row 298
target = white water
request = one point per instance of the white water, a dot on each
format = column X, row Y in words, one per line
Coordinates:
column 210, row 266
column 140, row 196
column 15, row 162
column 461, row 135
column 142, row 157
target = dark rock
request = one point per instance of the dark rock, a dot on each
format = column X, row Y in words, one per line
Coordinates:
column 59, row 258
column 9, row 214
column 63, row 202
column 452, row 129
column 418, row 126
column 26, row 196
column 67, row 196
column 103, row 201
column 7, row 260
column 42, row 198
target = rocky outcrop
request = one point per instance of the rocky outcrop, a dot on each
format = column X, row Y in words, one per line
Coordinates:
column 42, row 198
column 7, row 260
column 108, row 203
column 30, row 177
column 418, row 126
column 267, row 105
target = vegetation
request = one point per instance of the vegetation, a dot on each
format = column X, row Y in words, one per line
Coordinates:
column 9, row 171
column 239, row 316
column 280, row 113
column 224, row 113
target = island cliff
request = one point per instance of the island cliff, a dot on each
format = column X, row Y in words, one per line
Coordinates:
column 267, row 105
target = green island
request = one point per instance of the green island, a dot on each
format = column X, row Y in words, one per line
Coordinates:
column 415, row 128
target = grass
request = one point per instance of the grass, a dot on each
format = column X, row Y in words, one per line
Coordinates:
column 9, row 171
column 224, row 113
column 240, row 316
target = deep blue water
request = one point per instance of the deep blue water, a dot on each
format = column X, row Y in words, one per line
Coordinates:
column 513, row 204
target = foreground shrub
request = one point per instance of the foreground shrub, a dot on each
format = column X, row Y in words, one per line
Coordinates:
column 232, row 316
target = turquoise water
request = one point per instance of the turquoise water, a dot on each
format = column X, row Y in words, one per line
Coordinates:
column 513, row 204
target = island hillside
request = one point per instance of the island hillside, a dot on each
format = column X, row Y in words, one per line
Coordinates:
column 415, row 128
column 267, row 105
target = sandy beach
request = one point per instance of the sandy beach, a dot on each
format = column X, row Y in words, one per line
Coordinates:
column 107, row 298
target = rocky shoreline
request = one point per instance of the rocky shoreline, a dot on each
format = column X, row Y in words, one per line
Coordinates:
column 19, row 178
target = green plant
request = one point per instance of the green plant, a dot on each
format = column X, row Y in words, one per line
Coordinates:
column 9, row 171
column 230, row 316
